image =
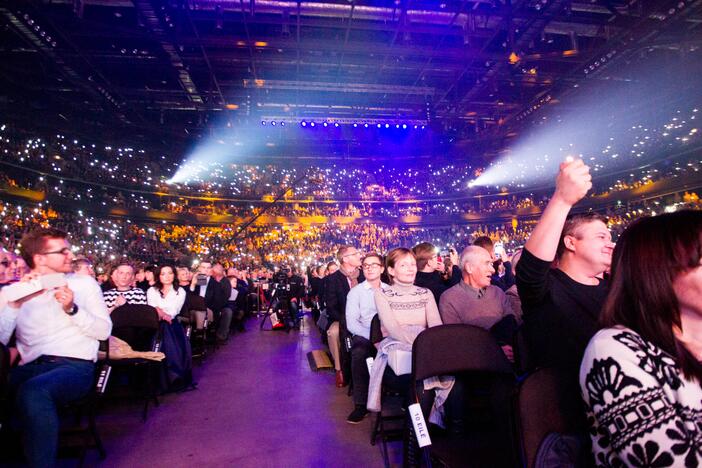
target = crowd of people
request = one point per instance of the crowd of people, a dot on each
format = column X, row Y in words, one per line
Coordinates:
column 618, row 324
column 548, row 279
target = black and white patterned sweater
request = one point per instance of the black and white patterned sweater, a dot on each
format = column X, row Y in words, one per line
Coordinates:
column 642, row 411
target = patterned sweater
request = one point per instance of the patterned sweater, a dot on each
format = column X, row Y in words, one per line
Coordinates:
column 642, row 410
column 133, row 296
column 402, row 306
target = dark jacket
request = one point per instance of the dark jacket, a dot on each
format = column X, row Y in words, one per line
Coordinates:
column 216, row 295
column 336, row 288
column 507, row 281
column 435, row 283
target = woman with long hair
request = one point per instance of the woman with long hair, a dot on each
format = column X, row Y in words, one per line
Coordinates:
column 640, row 376
column 168, row 299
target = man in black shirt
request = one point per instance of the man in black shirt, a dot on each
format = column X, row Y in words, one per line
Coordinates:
column 561, row 305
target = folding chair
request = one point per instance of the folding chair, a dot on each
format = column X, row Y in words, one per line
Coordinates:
column 84, row 410
column 386, row 416
column 470, row 353
column 138, row 325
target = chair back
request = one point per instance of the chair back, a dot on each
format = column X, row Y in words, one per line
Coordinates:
column 376, row 333
column 137, row 324
column 455, row 348
column 545, row 403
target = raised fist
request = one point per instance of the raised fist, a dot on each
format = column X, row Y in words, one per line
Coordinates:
column 573, row 181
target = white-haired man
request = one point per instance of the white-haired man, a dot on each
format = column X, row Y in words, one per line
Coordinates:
column 474, row 301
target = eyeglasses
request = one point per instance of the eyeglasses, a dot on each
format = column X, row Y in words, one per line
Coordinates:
column 63, row 251
column 352, row 254
column 5, row 263
column 370, row 266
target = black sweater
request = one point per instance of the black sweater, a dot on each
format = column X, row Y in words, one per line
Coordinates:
column 560, row 314
column 435, row 283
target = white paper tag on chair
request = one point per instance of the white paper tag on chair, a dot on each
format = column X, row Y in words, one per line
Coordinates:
column 369, row 363
column 420, row 426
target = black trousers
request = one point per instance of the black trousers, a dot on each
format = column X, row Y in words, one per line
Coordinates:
column 361, row 349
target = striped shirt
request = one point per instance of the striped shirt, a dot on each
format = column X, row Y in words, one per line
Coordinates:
column 133, row 296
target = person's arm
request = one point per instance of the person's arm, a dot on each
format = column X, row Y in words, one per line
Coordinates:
column 8, row 322
column 572, row 184
column 353, row 312
column 92, row 317
column 447, row 310
column 616, row 354
column 433, row 317
column 388, row 319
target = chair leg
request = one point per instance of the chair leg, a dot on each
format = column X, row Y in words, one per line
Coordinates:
column 374, row 432
column 384, row 441
column 96, row 438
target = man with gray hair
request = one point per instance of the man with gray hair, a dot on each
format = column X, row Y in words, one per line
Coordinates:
column 474, row 301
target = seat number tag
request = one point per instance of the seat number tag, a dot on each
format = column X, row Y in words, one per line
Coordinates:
column 420, row 426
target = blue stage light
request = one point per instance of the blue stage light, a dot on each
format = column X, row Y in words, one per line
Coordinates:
column 263, row 122
column 365, row 125
column 312, row 124
column 355, row 125
column 404, row 125
column 282, row 124
column 378, row 125
column 325, row 124
column 336, row 124
column 415, row 126
column 422, row 127
column 303, row 123
column 397, row 125
column 273, row 122
column 387, row 125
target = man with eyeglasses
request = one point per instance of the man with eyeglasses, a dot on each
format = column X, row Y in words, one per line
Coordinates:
column 58, row 333
column 336, row 288
column 360, row 310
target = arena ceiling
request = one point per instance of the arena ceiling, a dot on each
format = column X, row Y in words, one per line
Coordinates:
column 171, row 70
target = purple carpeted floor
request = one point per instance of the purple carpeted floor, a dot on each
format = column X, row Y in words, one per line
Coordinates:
column 258, row 404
